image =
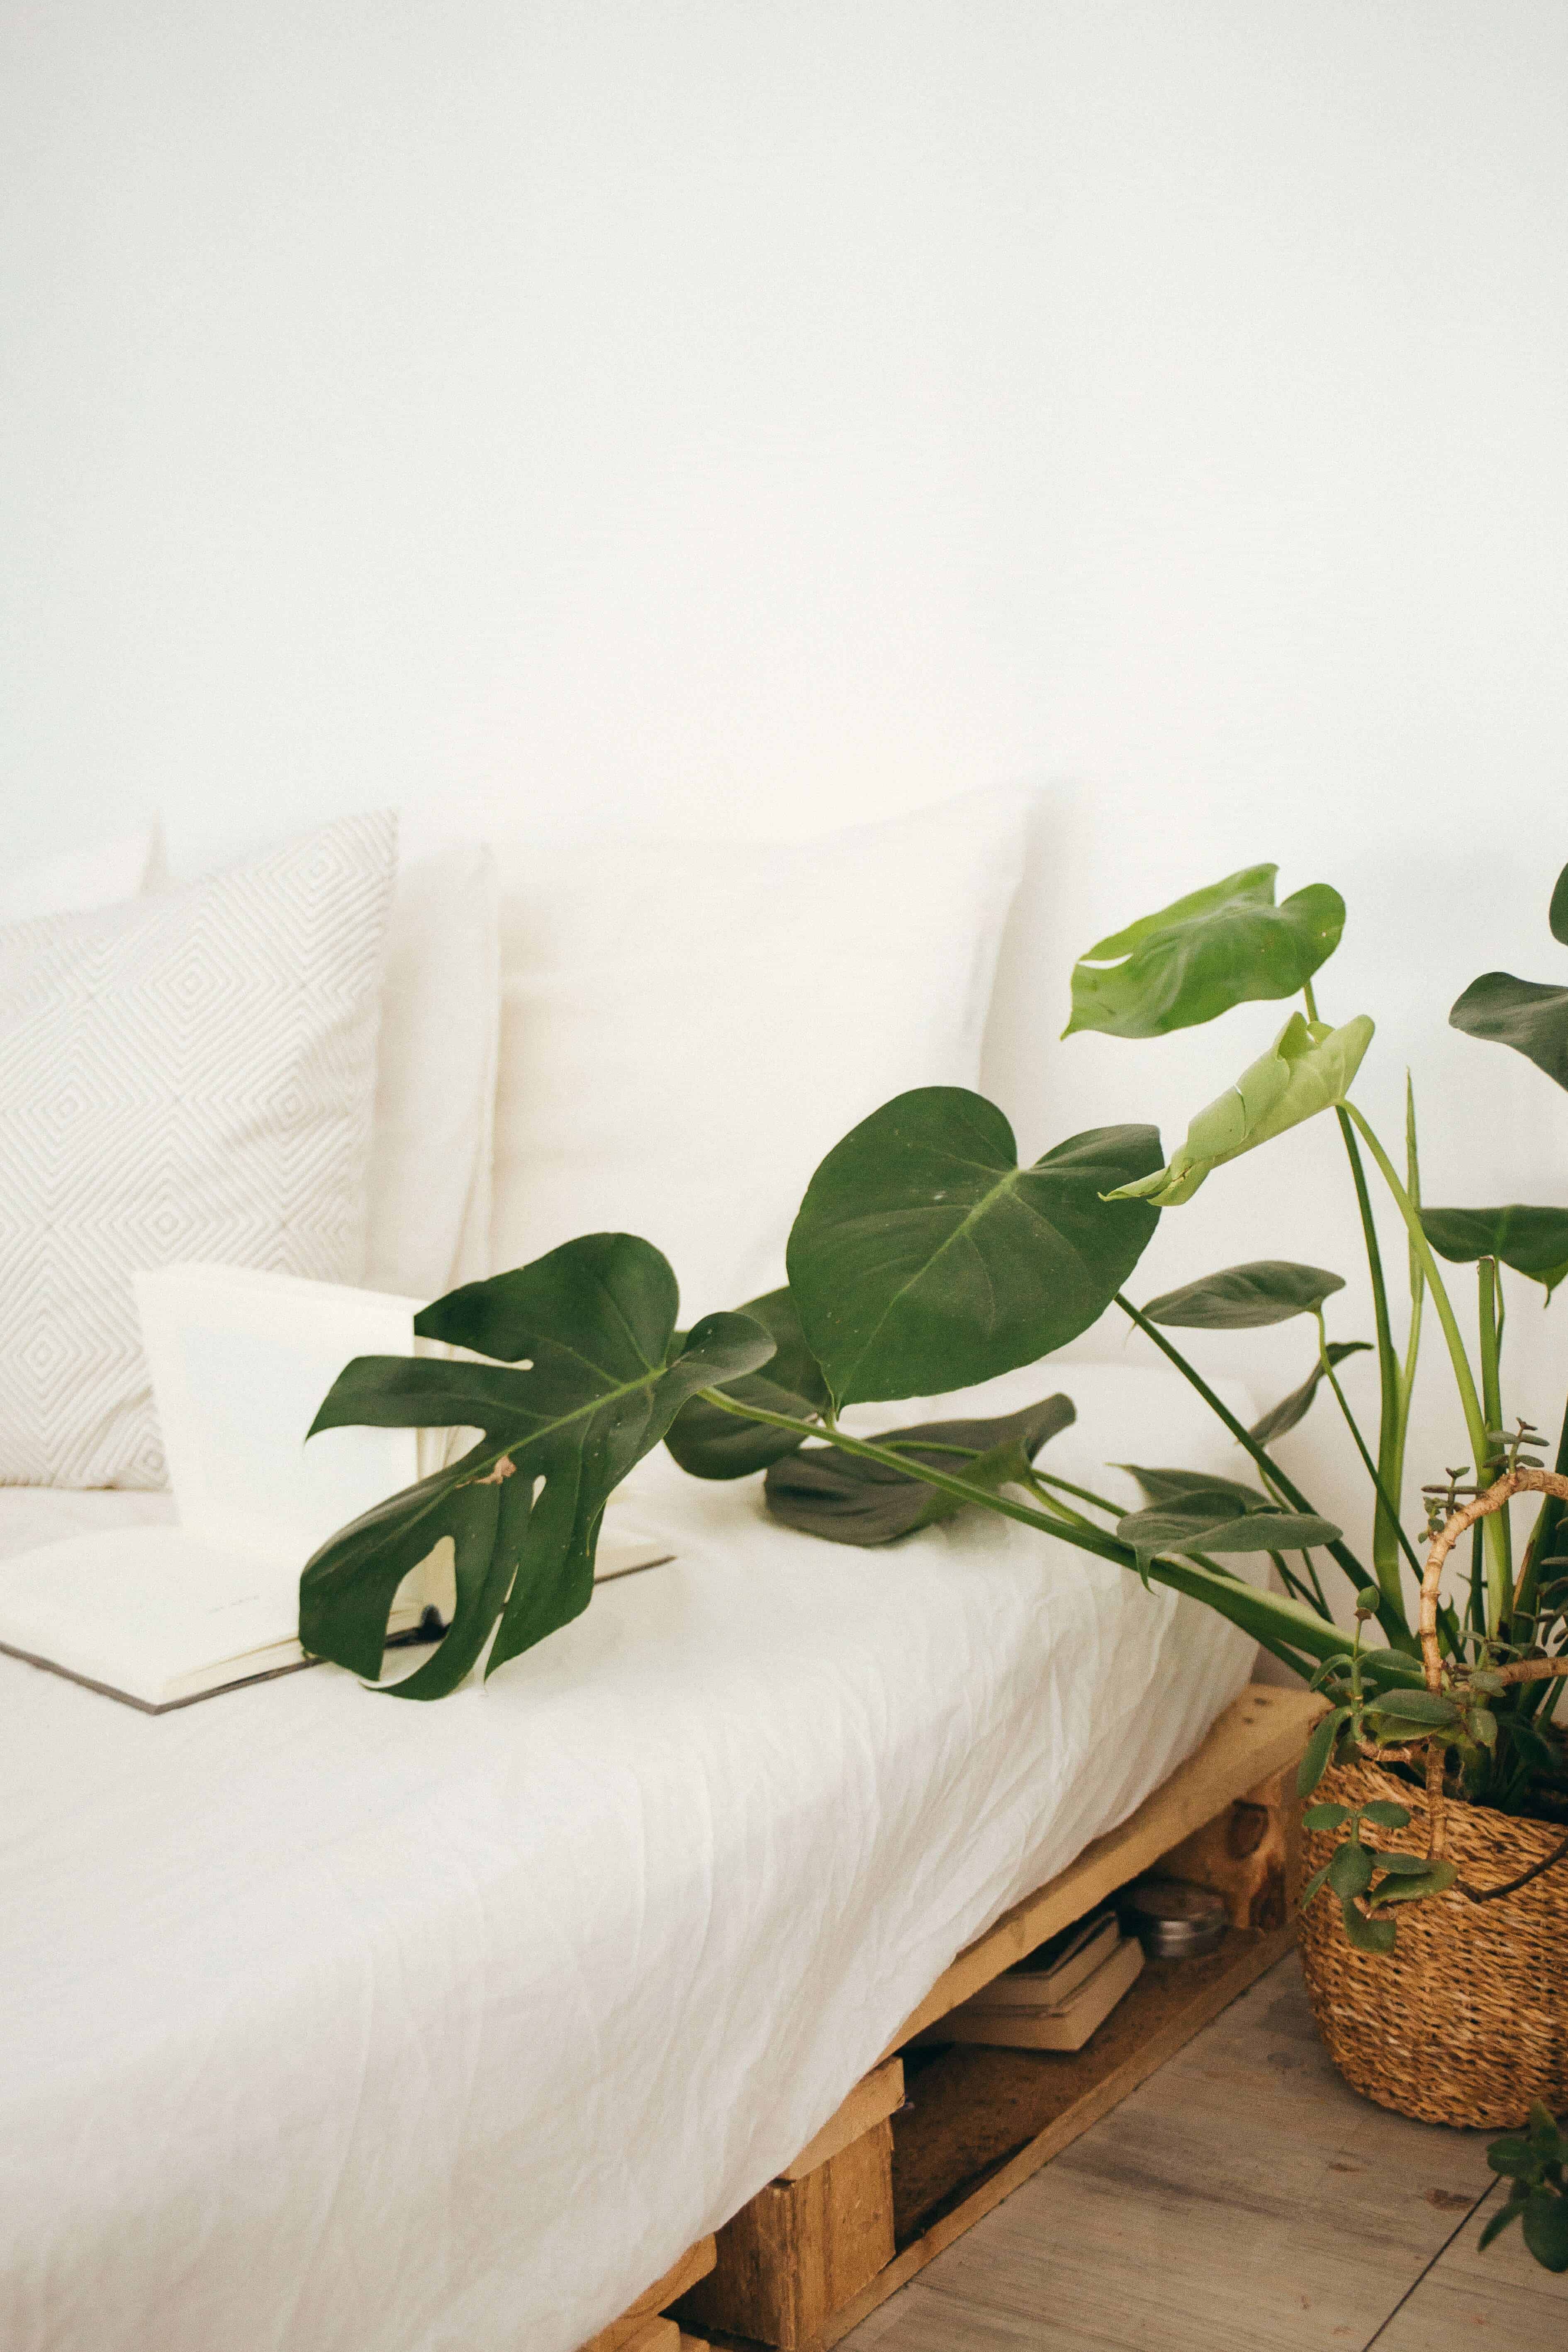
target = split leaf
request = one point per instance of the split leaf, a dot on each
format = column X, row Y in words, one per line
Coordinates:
column 925, row 1258
column 590, row 1384
column 1194, row 959
column 1308, row 1068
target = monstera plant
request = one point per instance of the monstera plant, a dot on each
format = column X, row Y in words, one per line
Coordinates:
column 927, row 1257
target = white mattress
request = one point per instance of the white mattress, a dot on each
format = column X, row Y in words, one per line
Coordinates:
column 334, row 2024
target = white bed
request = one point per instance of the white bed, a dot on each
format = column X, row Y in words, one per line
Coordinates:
column 331, row 2024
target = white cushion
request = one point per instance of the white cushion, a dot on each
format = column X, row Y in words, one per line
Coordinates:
column 435, row 1079
column 102, row 875
column 190, row 1076
column 687, row 1027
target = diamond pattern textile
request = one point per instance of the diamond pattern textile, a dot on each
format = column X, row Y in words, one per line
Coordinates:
column 189, row 1075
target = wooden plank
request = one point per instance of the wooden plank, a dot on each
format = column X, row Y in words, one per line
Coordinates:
column 1260, row 1734
column 872, row 2101
column 1243, row 2198
column 802, row 2248
column 626, row 2334
column 1171, row 2001
column 1502, row 2298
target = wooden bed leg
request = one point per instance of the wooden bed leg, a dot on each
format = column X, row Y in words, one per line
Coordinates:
column 643, row 2328
column 1245, row 1854
column 802, row 2248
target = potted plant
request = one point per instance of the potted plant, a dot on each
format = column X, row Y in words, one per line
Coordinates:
column 925, row 1258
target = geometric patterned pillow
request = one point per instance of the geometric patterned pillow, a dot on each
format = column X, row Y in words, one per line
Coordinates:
column 189, row 1075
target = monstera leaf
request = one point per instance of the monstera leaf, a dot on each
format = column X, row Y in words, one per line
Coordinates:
column 925, row 1258
column 1204, row 953
column 1284, row 1416
column 852, row 1501
column 587, row 1384
column 1528, row 1015
column 1308, row 1068
column 1534, row 1241
column 1244, row 1297
column 708, row 1443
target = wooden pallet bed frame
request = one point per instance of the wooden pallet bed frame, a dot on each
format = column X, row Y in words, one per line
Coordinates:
column 936, row 2136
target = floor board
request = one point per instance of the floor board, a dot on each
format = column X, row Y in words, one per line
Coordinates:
column 1244, row 2198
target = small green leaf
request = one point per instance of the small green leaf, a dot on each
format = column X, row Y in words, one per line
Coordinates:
column 1384, row 1814
column 1192, row 1526
column 847, row 1499
column 1293, row 1409
column 1377, row 1936
column 708, row 1443
column 1513, row 2155
column 925, row 1258
column 1350, row 1872
column 1534, row 1242
column 1314, row 1884
column 1309, row 1068
column 1413, row 1886
column 1194, row 959
column 1546, row 2227
column 1319, row 1748
column 1173, row 1485
column 1482, row 1726
column 1325, row 1817
column 1557, row 913
column 1428, row 1709
column 1246, row 1298
column 1489, row 1684
column 1402, row 1865
column 1499, row 2221
column 1524, row 1013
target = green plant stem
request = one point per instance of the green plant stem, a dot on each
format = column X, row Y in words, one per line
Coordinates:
column 1339, row 1550
column 1384, row 1503
column 1286, row 1629
column 1417, row 1298
column 1497, row 1594
column 1488, row 1304
column 1385, row 1529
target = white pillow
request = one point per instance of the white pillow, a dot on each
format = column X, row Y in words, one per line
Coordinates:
column 687, row 1027
column 435, row 1079
column 190, row 1076
column 101, row 876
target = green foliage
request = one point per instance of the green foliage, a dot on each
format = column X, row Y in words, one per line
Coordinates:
column 1171, row 1486
column 925, row 1258
column 1195, row 959
column 588, row 1384
column 1246, row 1298
column 1535, row 2164
column 1293, row 1409
column 709, row 1443
column 1309, row 1068
column 1527, row 1015
column 848, row 1499
column 1534, row 1241
column 1206, row 1521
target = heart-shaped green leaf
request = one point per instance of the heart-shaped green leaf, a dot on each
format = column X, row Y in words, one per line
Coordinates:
column 709, row 1443
column 1308, row 1068
column 850, row 1500
column 1534, row 1241
column 1244, row 1297
column 1290, row 1410
column 925, row 1258
column 1527, row 1015
column 589, row 1387
column 1196, row 957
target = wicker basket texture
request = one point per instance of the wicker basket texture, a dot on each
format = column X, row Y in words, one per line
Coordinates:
column 1467, row 2021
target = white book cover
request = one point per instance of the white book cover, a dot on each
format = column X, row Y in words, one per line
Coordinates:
column 240, row 1361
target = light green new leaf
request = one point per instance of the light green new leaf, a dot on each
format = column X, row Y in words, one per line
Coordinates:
column 1534, row 1241
column 925, row 1258
column 591, row 1380
column 1308, row 1068
column 1244, row 1297
column 1196, row 957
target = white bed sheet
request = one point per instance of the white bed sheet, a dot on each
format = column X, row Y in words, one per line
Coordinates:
column 334, row 2024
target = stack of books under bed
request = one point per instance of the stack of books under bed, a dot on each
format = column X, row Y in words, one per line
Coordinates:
column 1055, row 1998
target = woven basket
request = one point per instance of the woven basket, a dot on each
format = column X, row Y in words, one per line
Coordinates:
column 1467, row 2022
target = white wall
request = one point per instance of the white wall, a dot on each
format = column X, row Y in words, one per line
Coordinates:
column 761, row 416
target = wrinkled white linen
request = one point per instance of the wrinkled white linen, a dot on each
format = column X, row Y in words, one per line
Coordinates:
column 334, row 2024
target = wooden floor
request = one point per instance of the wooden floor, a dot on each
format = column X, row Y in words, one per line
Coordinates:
column 1243, row 2201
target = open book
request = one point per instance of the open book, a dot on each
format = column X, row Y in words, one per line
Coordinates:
column 240, row 1361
